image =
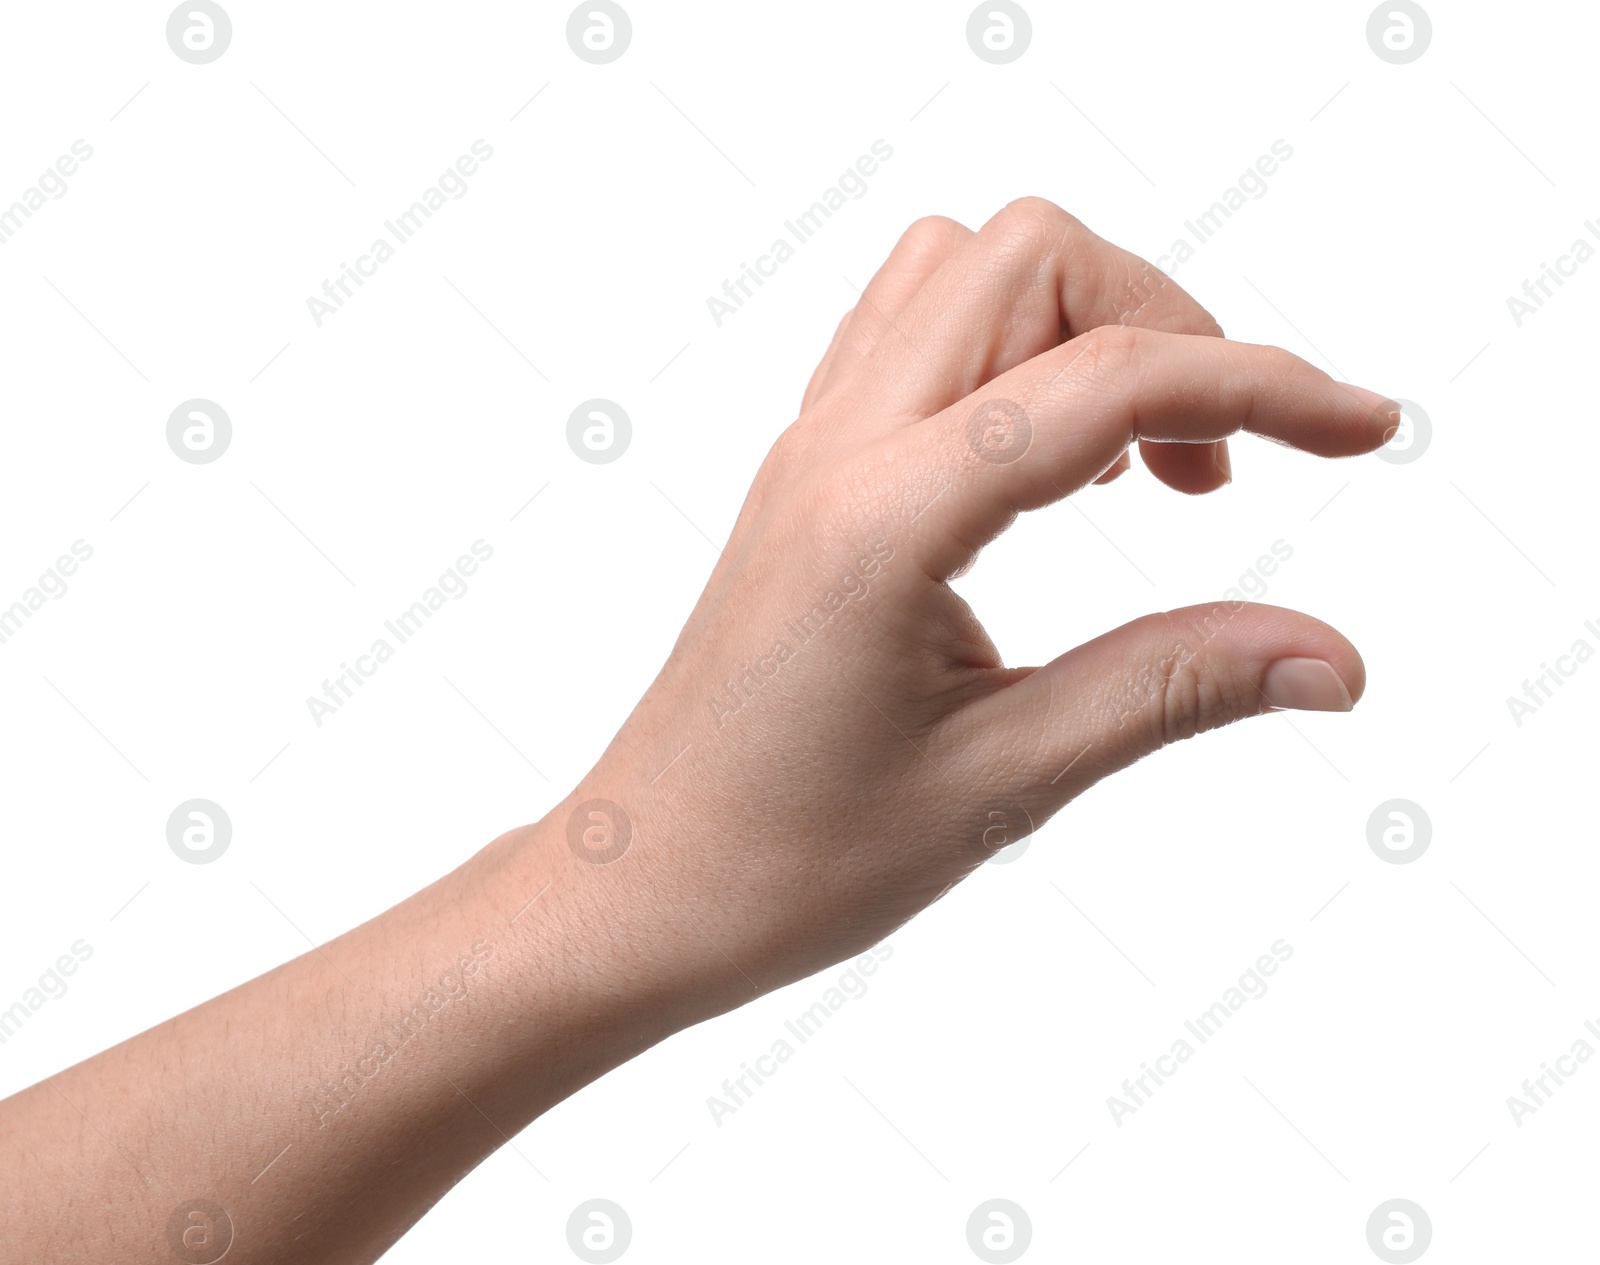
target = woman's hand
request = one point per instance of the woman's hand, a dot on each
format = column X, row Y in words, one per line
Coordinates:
column 835, row 740
column 833, row 743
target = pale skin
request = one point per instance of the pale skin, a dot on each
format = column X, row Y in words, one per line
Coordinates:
column 847, row 782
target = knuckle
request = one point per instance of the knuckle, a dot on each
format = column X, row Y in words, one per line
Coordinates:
column 1277, row 362
column 930, row 235
column 1187, row 697
column 1107, row 355
column 1191, row 694
column 1036, row 210
column 1033, row 226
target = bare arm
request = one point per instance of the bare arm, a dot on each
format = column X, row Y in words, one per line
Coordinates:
column 324, row 1106
column 832, row 745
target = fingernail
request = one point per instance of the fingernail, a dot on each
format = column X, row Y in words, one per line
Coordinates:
column 1224, row 462
column 1305, row 685
column 1383, row 408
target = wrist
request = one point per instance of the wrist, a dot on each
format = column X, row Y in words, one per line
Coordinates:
column 598, row 955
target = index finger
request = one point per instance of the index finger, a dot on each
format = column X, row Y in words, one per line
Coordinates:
column 1042, row 431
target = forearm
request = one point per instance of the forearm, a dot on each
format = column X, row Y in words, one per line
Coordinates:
column 327, row 1104
column 834, row 743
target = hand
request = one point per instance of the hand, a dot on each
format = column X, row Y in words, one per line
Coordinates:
column 835, row 741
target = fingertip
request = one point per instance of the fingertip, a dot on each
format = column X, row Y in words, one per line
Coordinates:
column 1383, row 414
column 1304, row 685
column 1353, row 672
column 1191, row 468
column 1223, row 461
column 1281, row 636
column 1116, row 470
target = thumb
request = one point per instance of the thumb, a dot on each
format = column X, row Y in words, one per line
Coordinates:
column 1114, row 700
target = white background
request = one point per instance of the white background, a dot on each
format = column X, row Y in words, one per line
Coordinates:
column 368, row 453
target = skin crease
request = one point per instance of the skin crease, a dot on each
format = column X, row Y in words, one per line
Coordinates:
column 849, row 788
